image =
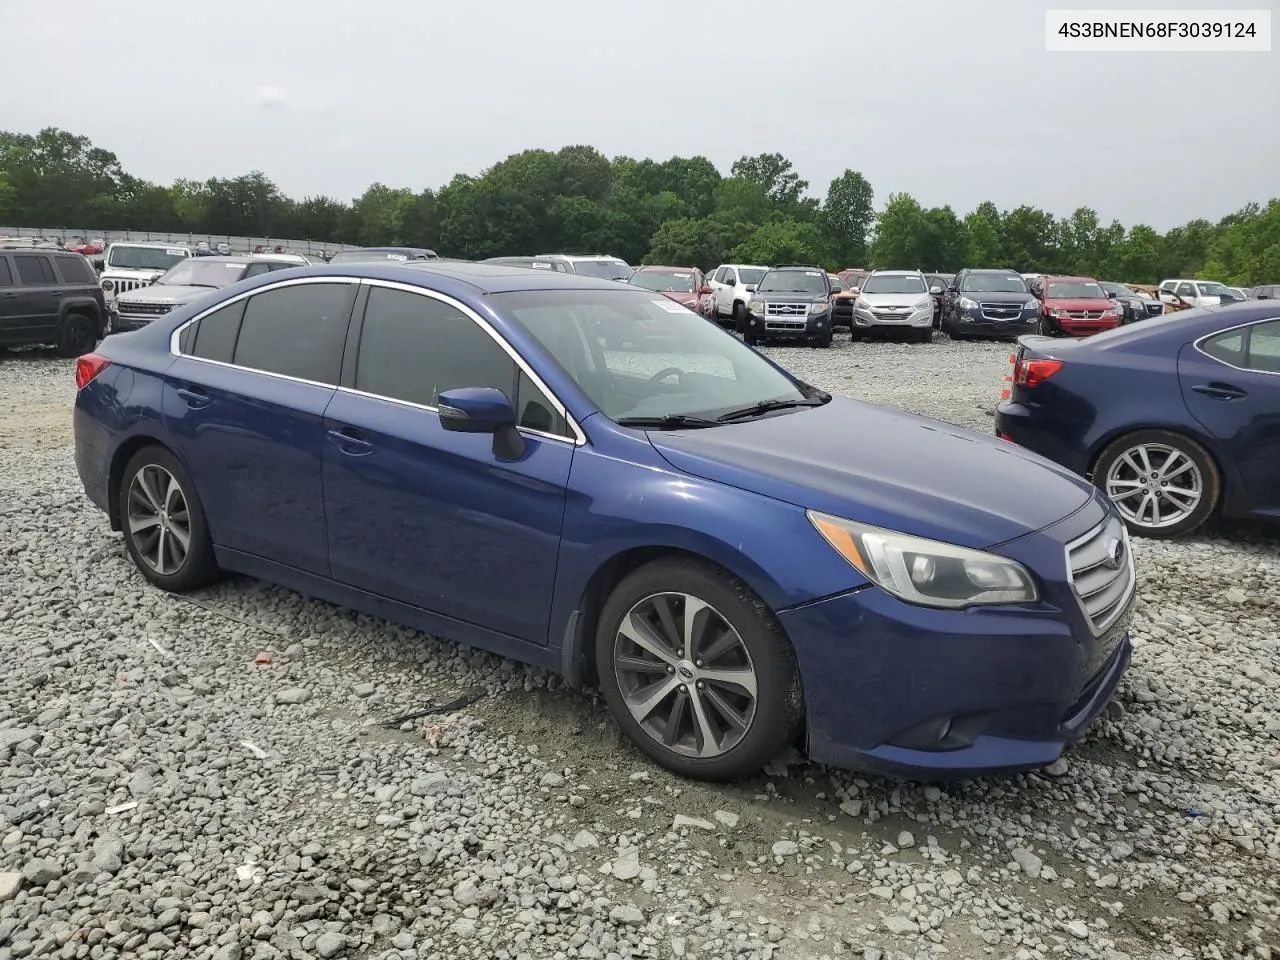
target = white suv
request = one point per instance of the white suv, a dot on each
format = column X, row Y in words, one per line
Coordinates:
column 732, row 285
column 1198, row 293
column 128, row 266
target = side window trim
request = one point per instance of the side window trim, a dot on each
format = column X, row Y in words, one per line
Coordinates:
column 1247, row 330
column 578, row 438
column 174, row 337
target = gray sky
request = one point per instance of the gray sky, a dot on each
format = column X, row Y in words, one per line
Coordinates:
column 952, row 101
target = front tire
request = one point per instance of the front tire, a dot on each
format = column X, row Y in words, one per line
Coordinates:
column 1046, row 326
column 697, row 671
column 925, row 335
column 77, row 335
column 1163, row 483
column 164, row 524
column 823, row 339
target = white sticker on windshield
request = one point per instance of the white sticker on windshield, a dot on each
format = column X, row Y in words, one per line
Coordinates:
column 682, row 276
column 175, row 252
column 234, row 266
column 540, row 266
column 397, row 256
column 812, row 273
column 669, row 305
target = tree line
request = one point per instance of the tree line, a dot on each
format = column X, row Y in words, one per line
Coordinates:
column 680, row 211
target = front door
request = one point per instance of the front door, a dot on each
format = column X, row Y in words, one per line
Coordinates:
column 433, row 518
column 1234, row 392
column 246, row 402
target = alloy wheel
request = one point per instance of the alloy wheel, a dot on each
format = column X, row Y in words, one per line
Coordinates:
column 1155, row 485
column 159, row 519
column 685, row 675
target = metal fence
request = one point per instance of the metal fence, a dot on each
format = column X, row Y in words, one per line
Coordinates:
column 312, row 248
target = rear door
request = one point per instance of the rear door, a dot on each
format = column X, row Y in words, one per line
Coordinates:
column 245, row 402
column 39, row 296
column 10, row 303
column 1231, row 384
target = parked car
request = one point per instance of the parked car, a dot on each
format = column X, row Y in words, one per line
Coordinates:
column 416, row 440
column 842, row 300
column 558, row 264
column 991, row 303
column 1237, row 294
column 1075, row 307
column 894, row 300
column 1169, row 301
column 1265, row 292
column 1197, row 293
column 682, row 284
column 187, row 282
column 50, row 297
column 791, row 302
column 128, row 266
column 1173, row 418
column 1134, row 306
column 854, row 278
column 601, row 266
column 383, row 255
column 732, row 286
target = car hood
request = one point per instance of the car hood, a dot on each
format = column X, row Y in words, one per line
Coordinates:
column 164, row 293
column 1076, row 303
column 1002, row 297
column 892, row 299
column 886, row 467
column 678, row 297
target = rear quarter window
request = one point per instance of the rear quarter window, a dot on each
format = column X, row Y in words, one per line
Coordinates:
column 6, row 275
column 75, row 269
column 296, row 331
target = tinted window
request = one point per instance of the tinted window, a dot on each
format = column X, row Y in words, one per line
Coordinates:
column 215, row 334
column 414, row 347
column 296, row 331
column 1227, row 347
column 34, row 270
column 255, row 270
column 6, row 277
column 1264, row 347
column 75, row 270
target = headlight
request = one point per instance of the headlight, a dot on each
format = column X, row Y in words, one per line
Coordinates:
column 926, row 572
column 1031, row 305
column 819, row 307
column 927, row 302
column 967, row 304
column 861, row 304
column 756, row 306
column 108, row 286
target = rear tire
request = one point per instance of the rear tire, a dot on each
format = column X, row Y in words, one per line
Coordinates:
column 675, row 704
column 925, row 335
column 1154, row 506
column 77, row 335
column 159, row 509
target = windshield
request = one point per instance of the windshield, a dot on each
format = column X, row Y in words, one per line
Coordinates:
column 369, row 256
column 1075, row 290
column 993, row 283
column 891, row 284
column 199, row 272
column 750, row 275
column 145, row 258
column 603, row 269
column 664, row 281
column 1118, row 290
column 637, row 355
column 792, row 281
column 1212, row 289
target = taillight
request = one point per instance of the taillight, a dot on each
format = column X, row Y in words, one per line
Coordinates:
column 1032, row 373
column 88, row 367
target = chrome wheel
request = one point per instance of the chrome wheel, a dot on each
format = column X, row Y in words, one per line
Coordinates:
column 685, row 675
column 158, row 519
column 1155, row 485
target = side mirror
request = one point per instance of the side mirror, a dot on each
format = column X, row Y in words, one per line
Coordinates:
column 482, row 410
column 855, row 290
column 953, row 289
column 704, row 290
column 750, row 289
column 935, row 290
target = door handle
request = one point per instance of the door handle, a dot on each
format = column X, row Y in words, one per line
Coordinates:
column 1220, row 391
column 350, row 442
column 194, row 397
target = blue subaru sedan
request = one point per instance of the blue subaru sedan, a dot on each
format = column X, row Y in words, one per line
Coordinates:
column 1176, row 419
column 591, row 478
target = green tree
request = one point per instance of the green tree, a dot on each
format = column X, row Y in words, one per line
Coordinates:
column 983, row 230
column 783, row 241
column 1028, row 240
column 190, row 199
column 57, row 177
column 900, row 234
column 943, row 243
column 378, row 216
column 773, row 172
column 1138, row 258
column 847, row 216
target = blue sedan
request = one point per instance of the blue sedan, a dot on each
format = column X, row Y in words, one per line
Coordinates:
column 591, row 478
column 1175, row 418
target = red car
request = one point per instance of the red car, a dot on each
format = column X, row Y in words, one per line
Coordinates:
column 682, row 284
column 1074, row 306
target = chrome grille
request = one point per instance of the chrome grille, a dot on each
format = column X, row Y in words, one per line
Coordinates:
column 148, row 310
column 1001, row 311
column 1154, row 309
column 124, row 286
column 891, row 316
column 1085, row 314
column 784, row 324
column 1103, row 589
column 786, row 309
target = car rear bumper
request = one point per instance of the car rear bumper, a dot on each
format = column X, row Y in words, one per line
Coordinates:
column 1053, row 436
column 1011, row 687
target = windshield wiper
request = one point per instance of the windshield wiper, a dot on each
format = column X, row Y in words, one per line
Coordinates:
column 767, row 406
column 672, row 421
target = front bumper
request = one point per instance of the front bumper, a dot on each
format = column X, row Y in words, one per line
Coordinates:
column 875, row 319
column 1084, row 328
column 974, row 322
column 789, row 327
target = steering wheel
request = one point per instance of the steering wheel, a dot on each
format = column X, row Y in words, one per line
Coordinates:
column 666, row 372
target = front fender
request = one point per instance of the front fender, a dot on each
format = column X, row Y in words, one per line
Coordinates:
column 616, row 505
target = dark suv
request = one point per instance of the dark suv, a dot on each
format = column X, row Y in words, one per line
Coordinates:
column 990, row 303
column 50, row 297
column 791, row 302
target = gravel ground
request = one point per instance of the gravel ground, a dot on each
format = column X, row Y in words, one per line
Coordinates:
column 210, row 776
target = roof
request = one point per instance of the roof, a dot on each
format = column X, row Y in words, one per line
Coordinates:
column 149, row 244
column 654, row 267
column 461, row 277
column 896, row 273
column 1054, row 276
